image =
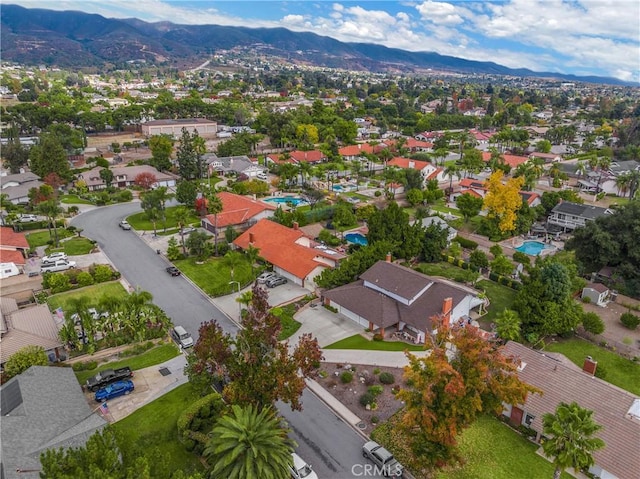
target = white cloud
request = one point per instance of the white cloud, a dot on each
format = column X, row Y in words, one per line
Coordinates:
column 440, row 13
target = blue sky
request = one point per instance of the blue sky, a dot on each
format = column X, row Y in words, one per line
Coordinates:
column 583, row 37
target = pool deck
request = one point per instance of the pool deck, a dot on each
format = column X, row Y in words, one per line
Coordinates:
column 551, row 246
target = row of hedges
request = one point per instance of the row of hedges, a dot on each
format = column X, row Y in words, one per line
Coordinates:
column 198, row 419
column 36, row 225
column 466, row 243
column 75, row 278
column 510, row 283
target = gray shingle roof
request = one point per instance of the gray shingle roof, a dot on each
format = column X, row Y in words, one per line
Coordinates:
column 53, row 413
column 584, row 211
column 611, row 405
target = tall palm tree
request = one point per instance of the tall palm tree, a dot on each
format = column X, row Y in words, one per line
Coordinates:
column 450, row 171
column 252, row 253
column 232, row 260
column 570, row 440
column 182, row 218
column 51, row 209
column 79, row 307
column 214, row 207
column 581, row 168
column 249, row 444
column 623, row 182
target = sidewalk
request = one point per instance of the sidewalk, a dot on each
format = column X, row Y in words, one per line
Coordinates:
column 392, row 359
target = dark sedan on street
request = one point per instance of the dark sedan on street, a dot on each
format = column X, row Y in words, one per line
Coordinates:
column 119, row 388
column 173, row 271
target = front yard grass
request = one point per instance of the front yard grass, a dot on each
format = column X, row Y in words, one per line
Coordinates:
column 74, row 200
column 41, row 238
column 94, row 292
column 619, row 371
column 156, row 355
column 153, row 426
column 289, row 325
column 213, row 277
column 74, row 246
column 140, row 222
column 357, row 341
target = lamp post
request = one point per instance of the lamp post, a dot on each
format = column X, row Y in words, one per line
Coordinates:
column 239, row 305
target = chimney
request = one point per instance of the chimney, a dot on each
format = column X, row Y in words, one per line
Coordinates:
column 295, row 225
column 447, row 307
column 252, row 238
column 388, row 258
column 590, row 366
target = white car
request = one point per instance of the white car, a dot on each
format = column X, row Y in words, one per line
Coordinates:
column 300, row 469
column 53, row 257
column 267, row 275
column 124, row 224
column 27, row 218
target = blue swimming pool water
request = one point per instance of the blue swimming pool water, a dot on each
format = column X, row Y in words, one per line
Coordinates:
column 283, row 200
column 356, row 238
column 532, row 248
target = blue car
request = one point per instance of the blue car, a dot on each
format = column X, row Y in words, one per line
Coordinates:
column 114, row 390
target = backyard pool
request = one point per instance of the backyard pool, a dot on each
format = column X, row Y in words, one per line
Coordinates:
column 356, row 238
column 346, row 187
column 283, row 200
column 533, row 248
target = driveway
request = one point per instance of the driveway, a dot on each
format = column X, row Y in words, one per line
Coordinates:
column 326, row 326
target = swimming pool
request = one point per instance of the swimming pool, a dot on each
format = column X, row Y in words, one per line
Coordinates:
column 533, row 248
column 340, row 188
column 357, row 238
column 283, row 200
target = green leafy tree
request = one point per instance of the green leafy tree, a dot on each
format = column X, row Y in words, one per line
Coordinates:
column 508, row 325
column 51, row 210
column 189, row 155
column 15, row 155
column 249, row 443
column 414, row 196
column 592, row 323
column 501, row 265
column 173, row 251
column 388, row 224
column 107, row 176
column 469, row 205
column 154, row 205
column 434, row 242
column 23, row 359
column 354, row 265
column 182, row 216
column 231, row 260
column 198, row 245
column 214, row 207
column 161, row 147
column 258, row 369
column 455, row 249
column 478, row 259
column 186, row 193
column 49, row 156
column 570, row 441
column 253, row 254
column 343, row 215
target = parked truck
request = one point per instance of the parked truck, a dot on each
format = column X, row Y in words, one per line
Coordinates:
column 108, row 376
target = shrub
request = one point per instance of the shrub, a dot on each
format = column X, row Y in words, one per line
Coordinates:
column 85, row 366
column 59, row 283
column 521, row 257
column 375, row 419
column 478, row 259
column 376, row 371
column 387, row 378
column 378, row 193
column 346, row 377
column 496, row 250
column 586, row 300
column 629, row 320
column 466, row 243
column 592, row 323
column 375, row 390
column 101, row 273
column 84, row 279
column 367, row 399
column 378, row 337
column 192, row 420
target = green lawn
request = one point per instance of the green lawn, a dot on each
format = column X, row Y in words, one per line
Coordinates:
column 358, row 341
column 501, row 298
column 289, row 325
column 491, row 450
column 213, row 276
column 154, row 426
column 619, row 371
column 446, row 270
column 74, row 246
column 74, row 200
column 157, row 355
column 94, row 292
column 140, row 222
column 41, row 238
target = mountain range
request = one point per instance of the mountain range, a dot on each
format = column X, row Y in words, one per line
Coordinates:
column 77, row 39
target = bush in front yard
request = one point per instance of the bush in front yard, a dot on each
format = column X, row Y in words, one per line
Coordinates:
column 84, row 279
column 387, row 378
column 592, row 323
column 346, row 377
column 629, row 320
column 367, row 399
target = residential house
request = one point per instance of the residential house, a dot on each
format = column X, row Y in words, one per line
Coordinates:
column 512, row 160
column 451, row 232
column 293, row 254
column 31, row 326
column 297, row 157
column 570, row 216
column 597, row 293
column 391, row 298
column 426, row 169
column 204, row 127
column 616, row 410
column 356, row 152
column 125, row 177
column 478, row 189
column 17, row 186
column 607, row 180
column 547, row 157
column 234, row 165
column 418, row 146
column 43, row 408
column 429, row 136
column 13, row 247
column 238, row 212
column 482, row 137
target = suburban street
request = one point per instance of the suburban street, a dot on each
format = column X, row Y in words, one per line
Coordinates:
column 324, row 440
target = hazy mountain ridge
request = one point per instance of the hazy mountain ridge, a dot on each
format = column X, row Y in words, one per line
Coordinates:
column 73, row 39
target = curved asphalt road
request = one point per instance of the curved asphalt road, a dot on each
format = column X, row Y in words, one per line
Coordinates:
column 326, row 442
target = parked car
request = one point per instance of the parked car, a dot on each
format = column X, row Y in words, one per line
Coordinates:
column 383, row 459
column 59, row 265
column 108, row 376
column 300, row 469
column 180, row 336
column 277, row 281
column 188, row 230
column 124, row 224
column 119, row 388
column 53, row 257
column 173, row 271
column 266, row 275
column 27, row 218
column 262, row 176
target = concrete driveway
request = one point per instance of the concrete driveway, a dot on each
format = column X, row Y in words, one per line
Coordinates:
column 326, row 326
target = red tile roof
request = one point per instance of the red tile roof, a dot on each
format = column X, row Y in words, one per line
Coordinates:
column 360, row 148
column 511, row 160
column 402, row 162
column 237, row 209
column 311, row 156
column 277, row 245
column 10, row 238
column 11, row 256
column 413, row 143
column 472, row 193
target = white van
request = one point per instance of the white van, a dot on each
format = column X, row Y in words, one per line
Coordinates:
column 59, row 265
column 181, row 337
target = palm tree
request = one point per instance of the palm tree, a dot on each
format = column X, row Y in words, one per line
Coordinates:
column 182, row 218
column 570, row 440
column 214, row 207
column 252, row 253
column 581, row 168
column 623, row 182
column 305, row 170
column 508, row 325
column 249, row 444
column 79, row 307
column 232, row 260
column 111, row 307
column 451, row 170
column 51, row 209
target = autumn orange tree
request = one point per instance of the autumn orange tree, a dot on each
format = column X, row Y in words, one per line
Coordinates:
column 464, row 375
column 253, row 366
column 503, row 200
